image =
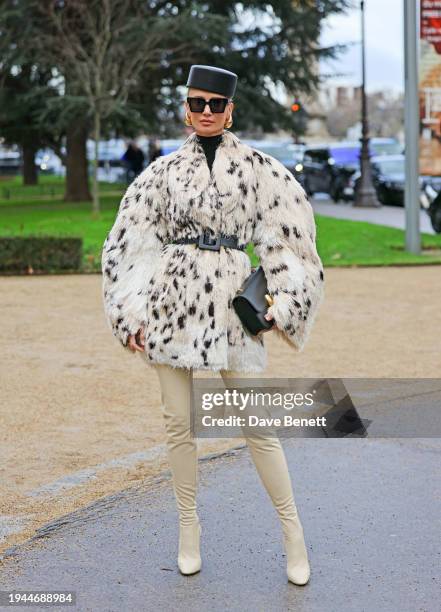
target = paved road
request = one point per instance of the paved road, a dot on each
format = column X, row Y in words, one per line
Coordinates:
column 393, row 216
column 368, row 507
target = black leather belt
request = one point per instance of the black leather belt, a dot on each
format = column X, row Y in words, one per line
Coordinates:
column 203, row 241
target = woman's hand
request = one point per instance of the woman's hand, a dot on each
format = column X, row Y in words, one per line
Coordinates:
column 136, row 342
column 269, row 317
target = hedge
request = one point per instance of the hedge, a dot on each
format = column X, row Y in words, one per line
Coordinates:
column 34, row 254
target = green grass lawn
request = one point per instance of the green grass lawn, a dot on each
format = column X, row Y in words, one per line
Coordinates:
column 49, row 188
column 339, row 242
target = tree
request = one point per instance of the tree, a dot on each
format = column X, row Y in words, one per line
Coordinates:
column 102, row 47
column 119, row 62
column 99, row 50
column 23, row 90
column 266, row 44
column 25, row 87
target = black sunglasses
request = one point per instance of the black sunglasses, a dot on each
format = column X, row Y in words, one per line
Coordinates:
column 217, row 105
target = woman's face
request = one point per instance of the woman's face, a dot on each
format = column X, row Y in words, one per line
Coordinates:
column 208, row 123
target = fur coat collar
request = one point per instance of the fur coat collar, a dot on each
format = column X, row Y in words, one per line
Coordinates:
column 181, row 295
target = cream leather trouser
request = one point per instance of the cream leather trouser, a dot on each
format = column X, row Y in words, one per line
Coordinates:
column 267, row 453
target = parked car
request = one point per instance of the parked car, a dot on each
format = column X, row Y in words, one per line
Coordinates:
column 385, row 146
column 389, row 178
column 299, row 153
column 388, row 174
column 328, row 168
column 10, row 161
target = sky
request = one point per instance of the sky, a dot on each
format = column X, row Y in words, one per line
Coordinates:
column 384, row 45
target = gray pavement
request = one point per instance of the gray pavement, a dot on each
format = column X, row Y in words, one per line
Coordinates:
column 393, row 216
column 369, row 508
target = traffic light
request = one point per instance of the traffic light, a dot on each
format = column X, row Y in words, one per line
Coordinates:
column 296, row 107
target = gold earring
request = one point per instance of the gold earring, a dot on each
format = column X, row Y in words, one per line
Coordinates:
column 187, row 120
column 229, row 123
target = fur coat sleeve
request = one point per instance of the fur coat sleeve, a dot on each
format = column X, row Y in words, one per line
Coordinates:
column 131, row 251
column 284, row 240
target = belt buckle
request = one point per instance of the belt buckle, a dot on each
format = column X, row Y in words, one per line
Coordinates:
column 202, row 244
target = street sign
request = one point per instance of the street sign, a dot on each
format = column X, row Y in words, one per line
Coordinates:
column 430, row 87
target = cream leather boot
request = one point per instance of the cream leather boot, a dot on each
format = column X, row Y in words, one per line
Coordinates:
column 183, row 460
column 297, row 564
column 270, row 461
column 189, row 556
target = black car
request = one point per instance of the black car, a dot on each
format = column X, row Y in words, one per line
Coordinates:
column 389, row 178
column 329, row 168
column 388, row 174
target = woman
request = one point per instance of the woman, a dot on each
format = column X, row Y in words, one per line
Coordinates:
column 172, row 263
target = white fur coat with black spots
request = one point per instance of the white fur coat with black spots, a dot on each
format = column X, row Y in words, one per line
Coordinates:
column 181, row 294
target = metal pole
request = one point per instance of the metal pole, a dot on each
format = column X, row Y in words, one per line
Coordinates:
column 412, row 121
column 366, row 194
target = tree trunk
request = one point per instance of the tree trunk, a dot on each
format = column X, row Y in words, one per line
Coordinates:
column 30, row 173
column 77, row 179
column 96, row 135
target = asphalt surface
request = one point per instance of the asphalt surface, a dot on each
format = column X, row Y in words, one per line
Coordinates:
column 393, row 216
column 369, row 509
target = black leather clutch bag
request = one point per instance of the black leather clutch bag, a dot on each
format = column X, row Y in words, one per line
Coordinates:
column 252, row 301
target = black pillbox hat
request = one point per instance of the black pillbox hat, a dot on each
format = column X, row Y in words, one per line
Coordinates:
column 212, row 79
